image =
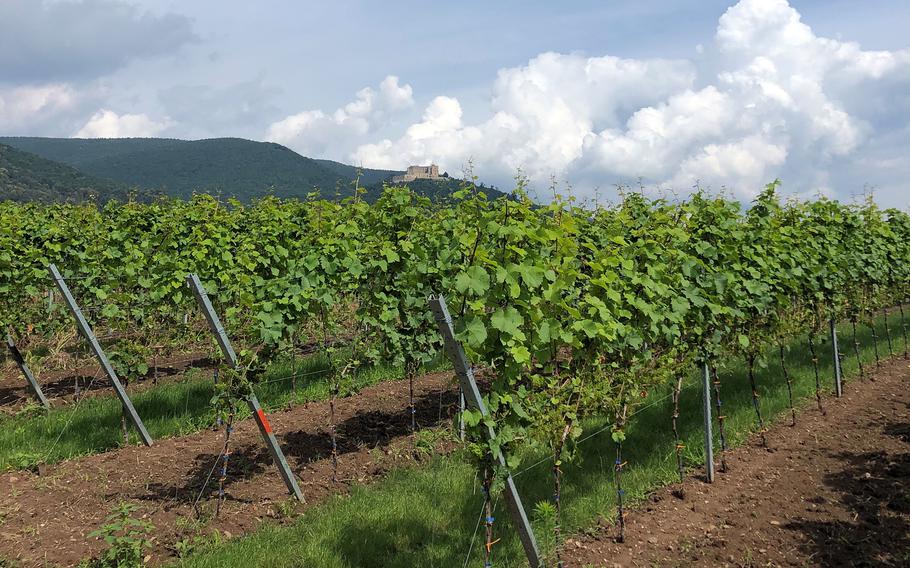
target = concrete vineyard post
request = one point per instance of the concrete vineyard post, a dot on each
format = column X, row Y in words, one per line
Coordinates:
column 89, row 335
column 473, row 400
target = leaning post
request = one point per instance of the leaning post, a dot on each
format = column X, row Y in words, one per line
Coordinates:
column 473, row 399
column 20, row 362
column 89, row 335
column 265, row 429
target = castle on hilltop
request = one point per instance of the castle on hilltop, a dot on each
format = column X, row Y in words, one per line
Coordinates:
column 418, row 172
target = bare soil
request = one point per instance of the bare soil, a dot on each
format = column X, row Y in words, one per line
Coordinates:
column 46, row 516
column 832, row 491
column 65, row 386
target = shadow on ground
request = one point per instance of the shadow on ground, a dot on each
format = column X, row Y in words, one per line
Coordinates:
column 875, row 488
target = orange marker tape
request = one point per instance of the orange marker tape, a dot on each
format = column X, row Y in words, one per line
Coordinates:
column 265, row 421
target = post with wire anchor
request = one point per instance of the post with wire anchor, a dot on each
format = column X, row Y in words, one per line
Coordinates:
column 20, row 362
column 838, row 374
column 89, row 335
column 473, row 399
column 259, row 416
column 706, row 413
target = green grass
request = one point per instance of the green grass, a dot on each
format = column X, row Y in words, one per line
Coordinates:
column 168, row 409
column 425, row 515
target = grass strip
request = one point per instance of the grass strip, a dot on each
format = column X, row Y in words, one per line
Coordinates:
column 169, row 409
column 426, row 515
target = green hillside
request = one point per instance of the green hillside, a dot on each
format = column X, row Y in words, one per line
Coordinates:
column 367, row 176
column 437, row 190
column 27, row 177
column 229, row 166
column 78, row 151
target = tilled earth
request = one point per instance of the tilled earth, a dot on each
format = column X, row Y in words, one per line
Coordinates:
column 63, row 387
column 831, row 491
column 46, row 516
column 834, row 490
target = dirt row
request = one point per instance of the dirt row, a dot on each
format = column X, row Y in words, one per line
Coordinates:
column 84, row 377
column 45, row 519
column 831, row 491
column 64, row 386
column 834, row 490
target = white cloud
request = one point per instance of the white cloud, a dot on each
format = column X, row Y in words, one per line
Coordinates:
column 768, row 98
column 746, row 161
column 108, row 124
column 22, row 106
column 316, row 133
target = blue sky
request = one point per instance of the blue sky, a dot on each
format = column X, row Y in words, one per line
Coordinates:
column 591, row 94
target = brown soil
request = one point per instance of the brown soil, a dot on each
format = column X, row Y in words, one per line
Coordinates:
column 62, row 386
column 832, row 491
column 45, row 518
column 84, row 377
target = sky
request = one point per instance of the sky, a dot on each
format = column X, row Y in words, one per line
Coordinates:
column 586, row 95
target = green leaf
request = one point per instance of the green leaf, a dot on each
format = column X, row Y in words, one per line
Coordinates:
column 507, row 321
column 474, row 280
column 475, row 332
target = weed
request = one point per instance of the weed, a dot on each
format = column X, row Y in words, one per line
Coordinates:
column 126, row 538
column 191, row 544
column 287, row 509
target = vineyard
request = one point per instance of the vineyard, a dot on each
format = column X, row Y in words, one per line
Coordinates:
column 577, row 322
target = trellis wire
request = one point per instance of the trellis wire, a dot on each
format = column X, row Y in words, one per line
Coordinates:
column 480, row 517
column 70, row 419
column 591, row 435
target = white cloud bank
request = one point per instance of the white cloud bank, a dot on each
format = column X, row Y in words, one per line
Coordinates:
column 768, row 98
column 316, row 133
column 24, row 106
column 108, row 124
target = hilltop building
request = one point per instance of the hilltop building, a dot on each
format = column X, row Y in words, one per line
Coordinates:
column 418, row 172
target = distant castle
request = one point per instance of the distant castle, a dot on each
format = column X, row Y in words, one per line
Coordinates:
column 418, row 172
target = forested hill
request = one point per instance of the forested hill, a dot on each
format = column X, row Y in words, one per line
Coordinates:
column 27, row 177
column 230, row 167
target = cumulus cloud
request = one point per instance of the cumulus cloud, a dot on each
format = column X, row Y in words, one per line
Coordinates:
column 55, row 107
column 45, row 42
column 543, row 114
column 768, row 98
column 108, row 124
column 26, row 102
column 316, row 133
